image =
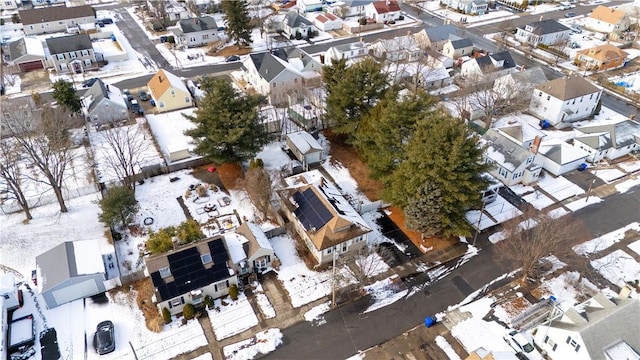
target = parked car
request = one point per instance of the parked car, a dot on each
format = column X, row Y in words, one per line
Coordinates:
column 232, row 58
column 143, row 95
column 89, row 82
column 127, row 94
column 135, row 106
column 522, row 345
column 107, row 21
column 570, row 14
column 100, row 23
column 104, row 339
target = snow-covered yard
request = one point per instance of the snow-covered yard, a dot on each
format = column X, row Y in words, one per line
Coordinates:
column 263, row 342
column 231, row 317
column 618, row 267
column 605, row 241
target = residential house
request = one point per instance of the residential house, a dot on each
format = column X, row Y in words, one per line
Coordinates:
column 70, row 271
column 275, row 74
column 327, row 22
column 72, row 53
column 383, row 11
column 19, row 115
column 200, row 31
column 172, row 10
column 601, row 58
column 349, row 8
column 421, row 76
column 437, row 60
column 565, row 100
column 546, row 32
column 168, row 92
column 297, row 26
column 610, row 139
column 495, row 64
column 347, row 51
column 523, row 134
column 305, row 148
column 607, row 20
column 512, row 163
column 307, row 6
column 9, row 301
column 435, row 37
column 104, row 104
column 519, row 83
column 470, row 7
column 599, row 328
column 457, row 48
column 187, row 274
column 55, row 18
column 250, row 251
column 558, row 157
column 322, row 217
column 399, row 49
column 27, row 53
column 8, row 5
column 203, row 6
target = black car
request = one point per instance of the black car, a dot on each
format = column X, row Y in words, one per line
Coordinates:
column 89, row 82
column 127, row 94
column 104, row 340
column 232, row 58
column 143, row 95
column 107, row 21
column 570, row 14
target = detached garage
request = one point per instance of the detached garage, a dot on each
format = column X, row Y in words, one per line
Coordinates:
column 27, row 53
column 305, row 148
column 177, row 152
column 70, row 271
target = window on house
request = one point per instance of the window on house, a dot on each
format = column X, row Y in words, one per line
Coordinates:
column 205, row 36
column 221, row 285
column 161, row 104
column 165, row 272
column 590, row 96
column 73, row 55
column 529, row 160
column 187, row 99
column 173, row 92
column 84, row 53
column 87, row 63
column 206, row 258
column 60, row 56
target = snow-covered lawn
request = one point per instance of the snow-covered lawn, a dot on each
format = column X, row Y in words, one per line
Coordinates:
column 168, row 130
column 475, row 332
column 635, row 246
column 605, row 241
column 630, row 166
column 567, row 289
column 581, row 203
column 315, row 313
column 538, row 200
column 618, row 267
column 446, row 347
column 263, row 342
column 229, row 317
column 500, row 210
column 263, row 302
column 626, row 185
column 608, row 175
column 385, row 292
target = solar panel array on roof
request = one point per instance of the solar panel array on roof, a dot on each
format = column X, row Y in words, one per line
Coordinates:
column 189, row 273
column 311, row 210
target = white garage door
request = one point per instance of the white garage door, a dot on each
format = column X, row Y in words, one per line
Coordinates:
column 75, row 291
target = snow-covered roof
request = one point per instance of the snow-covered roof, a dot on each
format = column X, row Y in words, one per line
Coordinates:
column 560, row 152
column 88, row 258
column 521, row 133
column 235, row 247
column 304, row 142
column 34, row 46
column 261, row 238
column 7, row 284
column 503, row 151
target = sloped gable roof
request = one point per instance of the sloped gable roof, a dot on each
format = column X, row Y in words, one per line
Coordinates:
column 608, row 15
column 386, row 6
column 461, row 43
column 202, row 23
column 65, row 44
column 442, row 32
column 162, row 81
column 604, row 52
column 560, row 152
column 548, row 26
column 62, row 262
column 522, row 133
column 99, row 91
column 532, row 76
column 257, row 239
column 503, row 151
column 620, row 133
column 568, row 87
column 294, row 20
column 269, row 64
column 54, row 13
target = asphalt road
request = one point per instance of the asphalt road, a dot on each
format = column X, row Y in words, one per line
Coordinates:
column 348, row 331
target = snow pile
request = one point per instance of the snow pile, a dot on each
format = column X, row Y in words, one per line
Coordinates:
column 605, row 241
column 618, row 267
column 263, row 343
column 474, row 332
column 446, row 347
column 385, row 292
column 263, row 302
column 316, row 312
column 232, row 318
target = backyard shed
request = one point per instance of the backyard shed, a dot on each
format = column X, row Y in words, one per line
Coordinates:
column 70, row 271
column 177, row 152
column 305, row 147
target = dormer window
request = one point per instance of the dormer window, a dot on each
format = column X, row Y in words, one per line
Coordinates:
column 206, row 258
column 165, row 272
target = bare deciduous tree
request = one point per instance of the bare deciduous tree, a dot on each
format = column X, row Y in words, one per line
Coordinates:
column 362, row 264
column 124, row 151
column 11, row 175
column 46, row 142
column 538, row 236
column 257, row 183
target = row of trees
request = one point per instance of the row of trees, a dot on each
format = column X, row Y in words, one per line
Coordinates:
column 430, row 164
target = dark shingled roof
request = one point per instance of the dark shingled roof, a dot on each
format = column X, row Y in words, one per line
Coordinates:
column 65, row 44
column 198, row 24
column 54, row 13
column 267, row 63
column 544, row 27
column 294, row 20
column 443, row 32
column 567, row 88
column 461, row 43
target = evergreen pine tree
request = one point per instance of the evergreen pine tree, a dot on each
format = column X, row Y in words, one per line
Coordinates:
column 423, row 212
column 228, row 127
column 65, row 94
column 236, row 14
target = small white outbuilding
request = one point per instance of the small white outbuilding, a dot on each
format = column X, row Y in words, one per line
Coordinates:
column 305, row 147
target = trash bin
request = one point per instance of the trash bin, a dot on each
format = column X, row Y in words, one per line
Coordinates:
column 582, row 167
column 429, row 321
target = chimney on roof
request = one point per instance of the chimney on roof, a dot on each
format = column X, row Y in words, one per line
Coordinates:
column 159, row 78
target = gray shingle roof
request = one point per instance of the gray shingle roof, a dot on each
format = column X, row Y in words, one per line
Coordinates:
column 14, row 49
column 443, row 32
column 544, row 27
column 567, row 88
column 621, row 134
column 54, row 13
column 461, row 43
column 267, row 63
column 57, row 265
column 531, row 77
column 198, row 24
column 294, row 20
column 513, row 154
column 64, row 44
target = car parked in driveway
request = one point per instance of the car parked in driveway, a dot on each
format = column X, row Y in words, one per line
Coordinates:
column 89, row 82
column 127, row 94
column 135, row 106
column 143, row 95
column 520, row 343
column 570, row 14
column 232, row 58
column 104, row 338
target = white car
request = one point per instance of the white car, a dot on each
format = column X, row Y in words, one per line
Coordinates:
column 522, row 345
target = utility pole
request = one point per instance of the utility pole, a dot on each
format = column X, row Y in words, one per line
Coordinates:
column 333, row 278
column 475, row 236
